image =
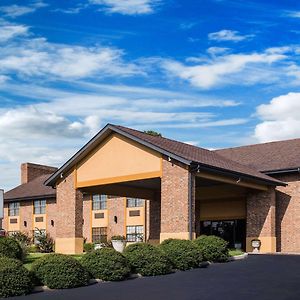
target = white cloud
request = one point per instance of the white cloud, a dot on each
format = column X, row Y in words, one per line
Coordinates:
column 217, row 50
column 228, row 35
column 37, row 57
column 226, row 69
column 14, row 10
column 279, row 118
column 127, row 7
column 10, row 31
column 293, row 14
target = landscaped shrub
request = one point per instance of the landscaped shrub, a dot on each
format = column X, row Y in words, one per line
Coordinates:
column 44, row 243
column 213, row 248
column 88, row 247
column 183, row 254
column 58, row 271
column 106, row 264
column 10, row 248
column 147, row 259
column 24, row 240
column 15, row 280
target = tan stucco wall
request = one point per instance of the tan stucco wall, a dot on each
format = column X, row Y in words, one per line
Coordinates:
column 223, row 209
column 118, row 159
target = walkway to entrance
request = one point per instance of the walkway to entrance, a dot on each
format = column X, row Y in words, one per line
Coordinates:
column 258, row 277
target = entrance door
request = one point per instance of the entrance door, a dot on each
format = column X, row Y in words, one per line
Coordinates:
column 232, row 231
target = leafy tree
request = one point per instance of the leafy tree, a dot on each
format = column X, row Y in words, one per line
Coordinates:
column 153, row 133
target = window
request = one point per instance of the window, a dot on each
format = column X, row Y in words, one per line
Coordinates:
column 135, row 233
column 99, row 202
column 39, row 207
column 99, row 234
column 13, row 209
column 135, row 202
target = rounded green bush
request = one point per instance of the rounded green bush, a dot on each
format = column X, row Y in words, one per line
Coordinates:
column 147, row 259
column 88, row 247
column 106, row 264
column 15, row 280
column 58, row 271
column 9, row 247
column 213, row 248
column 183, row 254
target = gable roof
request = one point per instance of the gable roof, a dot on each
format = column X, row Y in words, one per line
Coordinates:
column 34, row 189
column 268, row 157
column 185, row 153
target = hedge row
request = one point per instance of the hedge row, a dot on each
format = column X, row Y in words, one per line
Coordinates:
column 62, row 271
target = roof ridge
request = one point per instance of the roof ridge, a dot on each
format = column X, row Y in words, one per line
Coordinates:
column 258, row 144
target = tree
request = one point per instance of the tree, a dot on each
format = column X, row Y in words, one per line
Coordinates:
column 153, row 133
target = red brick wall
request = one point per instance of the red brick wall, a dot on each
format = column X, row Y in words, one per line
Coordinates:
column 51, row 212
column 116, row 208
column 174, row 198
column 261, row 213
column 69, row 216
column 87, row 207
column 288, row 214
column 26, row 215
column 31, row 171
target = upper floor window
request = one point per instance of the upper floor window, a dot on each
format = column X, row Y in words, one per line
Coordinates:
column 99, row 202
column 135, row 202
column 13, row 208
column 39, row 207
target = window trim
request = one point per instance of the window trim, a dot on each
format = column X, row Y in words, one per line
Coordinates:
column 15, row 210
column 135, row 202
column 39, row 209
column 99, row 202
column 136, row 236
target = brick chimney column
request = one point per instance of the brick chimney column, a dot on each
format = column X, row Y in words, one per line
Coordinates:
column 69, row 219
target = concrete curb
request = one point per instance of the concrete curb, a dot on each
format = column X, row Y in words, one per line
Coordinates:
column 238, row 257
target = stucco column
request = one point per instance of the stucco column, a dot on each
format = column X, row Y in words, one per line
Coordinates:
column 176, row 201
column 69, row 218
column 261, row 220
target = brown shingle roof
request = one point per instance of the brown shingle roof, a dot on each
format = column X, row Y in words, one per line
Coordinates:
column 180, row 151
column 31, row 190
column 282, row 155
column 197, row 154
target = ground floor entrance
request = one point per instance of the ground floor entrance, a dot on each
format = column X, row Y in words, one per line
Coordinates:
column 233, row 231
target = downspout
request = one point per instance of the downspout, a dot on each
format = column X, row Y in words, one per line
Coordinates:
column 190, row 203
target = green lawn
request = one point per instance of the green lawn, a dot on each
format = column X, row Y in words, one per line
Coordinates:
column 234, row 252
column 32, row 257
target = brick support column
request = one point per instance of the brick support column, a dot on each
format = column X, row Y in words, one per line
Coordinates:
column 261, row 218
column 175, row 208
column 69, row 218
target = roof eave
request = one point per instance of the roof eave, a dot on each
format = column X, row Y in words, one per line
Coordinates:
column 98, row 138
column 28, row 198
column 282, row 171
column 240, row 175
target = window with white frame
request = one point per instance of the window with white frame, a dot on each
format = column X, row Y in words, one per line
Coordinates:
column 13, row 209
column 39, row 207
column 135, row 233
column 99, row 202
column 99, row 234
column 135, row 202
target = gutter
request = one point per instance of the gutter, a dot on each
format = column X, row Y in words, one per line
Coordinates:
column 282, row 171
column 199, row 167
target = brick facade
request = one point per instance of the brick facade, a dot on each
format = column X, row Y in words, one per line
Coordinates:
column 116, row 208
column 87, row 222
column 174, row 200
column 69, row 216
column 261, row 208
column 288, row 214
column 31, row 171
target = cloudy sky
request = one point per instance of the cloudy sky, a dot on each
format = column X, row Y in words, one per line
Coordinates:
column 214, row 73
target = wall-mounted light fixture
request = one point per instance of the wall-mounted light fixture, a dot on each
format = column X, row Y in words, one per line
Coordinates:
column 116, row 219
column 52, row 223
column 25, row 223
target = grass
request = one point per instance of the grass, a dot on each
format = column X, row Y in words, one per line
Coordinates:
column 234, row 252
column 32, row 257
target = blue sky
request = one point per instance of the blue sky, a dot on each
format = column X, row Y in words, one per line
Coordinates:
column 214, row 73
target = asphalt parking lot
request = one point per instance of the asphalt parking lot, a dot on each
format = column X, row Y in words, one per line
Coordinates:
column 257, row 277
